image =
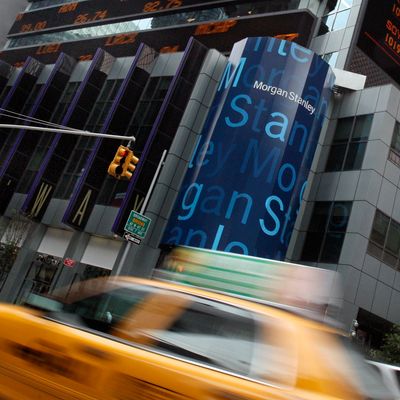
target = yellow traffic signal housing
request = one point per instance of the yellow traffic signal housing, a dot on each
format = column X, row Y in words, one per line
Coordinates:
column 129, row 165
column 116, row 168
column 123, row 164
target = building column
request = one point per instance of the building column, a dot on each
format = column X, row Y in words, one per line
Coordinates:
column 16, row 276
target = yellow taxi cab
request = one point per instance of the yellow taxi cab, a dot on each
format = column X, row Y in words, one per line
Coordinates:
column 128, row 338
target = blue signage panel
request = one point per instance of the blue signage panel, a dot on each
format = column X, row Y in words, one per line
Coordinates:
column 247, row 176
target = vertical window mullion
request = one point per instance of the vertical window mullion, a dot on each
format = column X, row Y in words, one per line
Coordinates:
column 325, row 231
column 349, row 141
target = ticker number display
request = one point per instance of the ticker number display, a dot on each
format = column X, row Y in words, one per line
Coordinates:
column 379, row 36
column 154, row 6
column 93, row 11
column 221, row 35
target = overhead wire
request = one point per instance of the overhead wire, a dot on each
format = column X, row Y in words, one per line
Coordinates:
column 27, row 118
column 49, row 126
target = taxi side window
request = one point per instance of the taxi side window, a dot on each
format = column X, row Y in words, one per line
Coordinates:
column 103, row 311
column 212, row 333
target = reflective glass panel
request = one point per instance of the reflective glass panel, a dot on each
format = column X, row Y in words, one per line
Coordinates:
column 380, row 227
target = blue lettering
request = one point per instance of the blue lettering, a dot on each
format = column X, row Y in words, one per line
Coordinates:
column 281, row 126
column 206, row 149
column 249, row 203
column 317, row 65
column 270, row 162
column 176, row 237
column 295, row 49
column 196, row 188
column 217, row 238
column 202, row 236
column 229, row 246
column 268, row 201
column 257, row 44
column 303, row 188
column 260, row 108
column 314, row 96
column 292, row 181
column 296, row 127
column 287, row 219
column 213, row 204
column 241, row 246
column 252, row 72
column 222, row 157
column 227, row 76
column 281, row 50
column 270, row 44
column 191, row 165
column 243, row 113
column 275, row 77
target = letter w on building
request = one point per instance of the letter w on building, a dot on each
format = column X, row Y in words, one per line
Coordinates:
column 40, row 199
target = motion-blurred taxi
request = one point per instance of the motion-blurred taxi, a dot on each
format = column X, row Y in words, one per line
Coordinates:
column 138, row 339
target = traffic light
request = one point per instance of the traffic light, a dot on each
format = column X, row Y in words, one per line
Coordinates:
column 129, row 165
column 118, row 164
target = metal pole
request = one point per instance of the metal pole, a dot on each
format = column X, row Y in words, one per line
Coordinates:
column 128, row 244
column 153, row 182
column 68, row 131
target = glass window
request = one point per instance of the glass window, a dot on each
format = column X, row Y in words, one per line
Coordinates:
column 102, row 312
column 328, row 21
column 384, row 240
column 395, row 145
column 80, row 154
column 362, row 126
column 331, row 58
column 343, row 130
column 141, row 123
column 214, row 333
column 355, row 156
column 349, row 143
column 339, row 217
column 336, row 18
column 344, row 4
column 394, row 153
column 332, row 247
column 312, row 246
column 189, row 327
column 393, row 239
column 379, row 228
column 336, row 157
column 341, row 20
column 319, row 218
column 326, row 232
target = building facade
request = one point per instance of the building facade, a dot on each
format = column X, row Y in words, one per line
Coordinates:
column 152, row 70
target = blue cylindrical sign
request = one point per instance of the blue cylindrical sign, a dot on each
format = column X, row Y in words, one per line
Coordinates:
column 247, row 176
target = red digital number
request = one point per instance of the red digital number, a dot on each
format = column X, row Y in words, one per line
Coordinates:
column 40, row 25
column 26, row 28
column 151, row 6
column 173, row 3
column 102, row 14
column 67, row 8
